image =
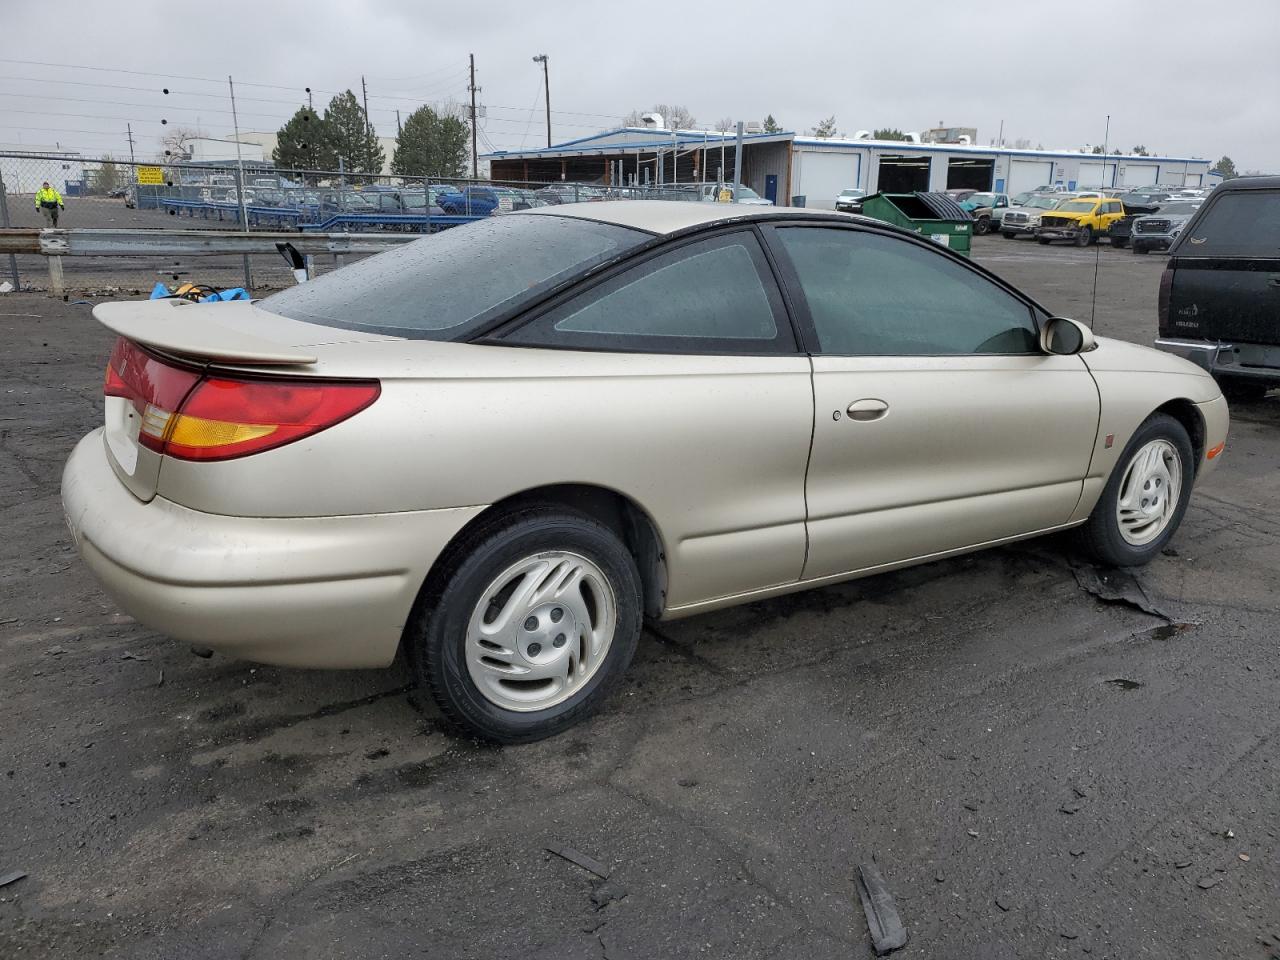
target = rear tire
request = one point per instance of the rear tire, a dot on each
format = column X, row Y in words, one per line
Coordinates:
column 545, row 591
column 1152, row 499
column 1119, row 242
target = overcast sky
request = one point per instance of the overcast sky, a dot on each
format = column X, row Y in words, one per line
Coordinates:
column 1170, row 75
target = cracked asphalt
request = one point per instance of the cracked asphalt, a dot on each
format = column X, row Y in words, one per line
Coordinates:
column 1038, row 772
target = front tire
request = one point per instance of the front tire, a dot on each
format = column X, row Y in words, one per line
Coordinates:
column 1008, row 236
column 982, row 226
column 1146, row 497
column 1084, row 236
column 533, row 620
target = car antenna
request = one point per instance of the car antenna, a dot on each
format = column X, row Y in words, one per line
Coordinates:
column 1097, row 251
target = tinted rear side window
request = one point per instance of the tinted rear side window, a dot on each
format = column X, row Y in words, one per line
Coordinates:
column 1244, row 223
column 444, row 286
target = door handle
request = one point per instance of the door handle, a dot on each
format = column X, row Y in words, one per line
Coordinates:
column 1274, row 280
column 868, row 409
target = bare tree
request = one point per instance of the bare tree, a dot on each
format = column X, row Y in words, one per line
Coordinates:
column 173, row 140
column 675, row 117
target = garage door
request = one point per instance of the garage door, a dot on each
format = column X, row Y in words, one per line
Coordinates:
column 822, row 176
column 1029, row 174
column 1193, row 180
column 1092, row 176
column 1140, row 174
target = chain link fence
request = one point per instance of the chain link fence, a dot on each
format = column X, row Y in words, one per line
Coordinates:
column 254, row 196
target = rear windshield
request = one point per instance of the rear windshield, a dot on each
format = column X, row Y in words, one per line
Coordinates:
column 446, row 285
column 1243, row 223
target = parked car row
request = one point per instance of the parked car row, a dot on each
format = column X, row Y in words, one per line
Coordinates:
column 1145, row 220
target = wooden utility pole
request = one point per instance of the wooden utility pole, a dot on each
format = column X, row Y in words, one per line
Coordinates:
column 475, row 156
column 368, row 127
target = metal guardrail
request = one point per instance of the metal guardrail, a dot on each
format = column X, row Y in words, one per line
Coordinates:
column 54, row 244
column 93, row 242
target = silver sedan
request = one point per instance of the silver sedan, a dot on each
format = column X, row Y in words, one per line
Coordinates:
column 501, row 447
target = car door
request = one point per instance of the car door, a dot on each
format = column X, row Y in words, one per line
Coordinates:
column 1112, row 212
column 681, row 384
column 938, row 423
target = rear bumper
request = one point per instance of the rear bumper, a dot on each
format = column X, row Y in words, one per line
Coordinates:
column 1246, row 361
column 305, row 592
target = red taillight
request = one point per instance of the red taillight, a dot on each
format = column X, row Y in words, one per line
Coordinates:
column 191, row 417
column 1166, row 289
column 155, row 389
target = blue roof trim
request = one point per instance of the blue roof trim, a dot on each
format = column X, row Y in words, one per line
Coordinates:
column 582, row 145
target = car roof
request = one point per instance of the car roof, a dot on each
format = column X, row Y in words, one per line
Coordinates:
column 669, row 216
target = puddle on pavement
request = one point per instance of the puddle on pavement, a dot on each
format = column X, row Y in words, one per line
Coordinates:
column 1124, row 684
column 1167, row 631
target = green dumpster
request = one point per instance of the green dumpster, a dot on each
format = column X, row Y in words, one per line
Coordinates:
column 933, row 215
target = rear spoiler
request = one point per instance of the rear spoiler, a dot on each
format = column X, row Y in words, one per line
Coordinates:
column 194, row 330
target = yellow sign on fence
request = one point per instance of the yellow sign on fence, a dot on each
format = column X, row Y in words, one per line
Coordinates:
column 151, row 175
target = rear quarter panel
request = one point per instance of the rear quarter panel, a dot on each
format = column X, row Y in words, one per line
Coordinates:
column 713, row 448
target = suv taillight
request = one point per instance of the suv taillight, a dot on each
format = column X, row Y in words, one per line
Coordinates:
column 1166, row 288
column 191, row 416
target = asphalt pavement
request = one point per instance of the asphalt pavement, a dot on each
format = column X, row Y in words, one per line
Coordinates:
column 1043, row 759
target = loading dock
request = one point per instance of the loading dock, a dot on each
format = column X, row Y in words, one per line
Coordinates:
column 1028, row 174
column 970, row 173
column 1094, row 175
column 903, row 174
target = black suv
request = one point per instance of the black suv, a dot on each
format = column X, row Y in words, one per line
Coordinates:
column 1220, row 293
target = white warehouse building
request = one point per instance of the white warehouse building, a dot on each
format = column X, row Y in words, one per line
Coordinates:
column 785, row 167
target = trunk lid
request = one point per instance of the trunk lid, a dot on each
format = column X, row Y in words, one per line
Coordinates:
column 182, row 340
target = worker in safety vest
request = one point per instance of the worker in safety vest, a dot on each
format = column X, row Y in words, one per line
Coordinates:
column 49, row 202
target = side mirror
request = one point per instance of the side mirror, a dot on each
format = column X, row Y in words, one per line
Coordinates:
column 1065, row 337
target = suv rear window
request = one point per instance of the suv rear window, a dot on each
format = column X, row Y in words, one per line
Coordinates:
column 446, row 285
column 1238, row 223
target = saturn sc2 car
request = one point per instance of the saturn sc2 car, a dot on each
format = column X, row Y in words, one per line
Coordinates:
column 500, row 448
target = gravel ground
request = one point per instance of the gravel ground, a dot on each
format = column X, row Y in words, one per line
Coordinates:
column 1037, row 772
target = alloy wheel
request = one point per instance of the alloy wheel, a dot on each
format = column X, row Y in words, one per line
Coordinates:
column 1149, row 492
column 541, row 630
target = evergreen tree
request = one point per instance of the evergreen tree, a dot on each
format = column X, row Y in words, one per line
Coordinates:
column 1226, row 167
column 349, row 136
column 107, row 177
column 431, row 144
column 827, row 128
column 771, row 125
column 301, row 144
column 888, row 133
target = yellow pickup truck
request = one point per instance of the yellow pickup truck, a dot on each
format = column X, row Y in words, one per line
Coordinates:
column 1082, row 220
